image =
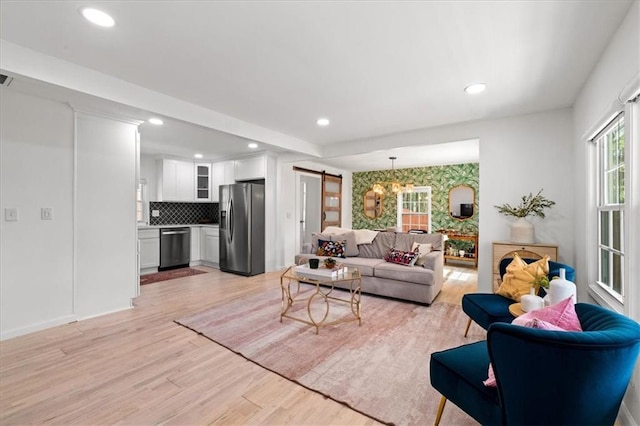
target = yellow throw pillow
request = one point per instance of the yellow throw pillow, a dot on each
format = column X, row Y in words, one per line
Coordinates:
column 518, row 279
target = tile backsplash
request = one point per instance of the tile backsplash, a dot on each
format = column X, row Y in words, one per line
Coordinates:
column 182, row 213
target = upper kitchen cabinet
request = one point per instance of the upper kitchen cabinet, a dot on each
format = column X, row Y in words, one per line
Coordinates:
column 251, row 168
column 175, row 180
column 203, row 182
column 223, row 174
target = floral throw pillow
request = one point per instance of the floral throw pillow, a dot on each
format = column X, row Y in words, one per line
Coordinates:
column 406, row 258
column 330, row 248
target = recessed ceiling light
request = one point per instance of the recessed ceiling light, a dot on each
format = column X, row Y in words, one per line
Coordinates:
column 253, row 145
column 197, row 155
column 156, row 121
column 475, row 88
column 97, row 17
column 323, row 121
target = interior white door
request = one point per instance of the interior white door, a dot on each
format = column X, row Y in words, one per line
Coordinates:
column 309, row 208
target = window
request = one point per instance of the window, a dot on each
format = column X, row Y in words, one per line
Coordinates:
column 141, row 201
column 414, row 209
column 610, row 144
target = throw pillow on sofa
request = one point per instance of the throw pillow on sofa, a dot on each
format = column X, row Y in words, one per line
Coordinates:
column 348, row 239
column 423, row 250
column 330, row 248
column 406, row 258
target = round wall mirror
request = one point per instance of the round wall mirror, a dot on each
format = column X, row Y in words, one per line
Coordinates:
column 372, row 204
column 462, row 200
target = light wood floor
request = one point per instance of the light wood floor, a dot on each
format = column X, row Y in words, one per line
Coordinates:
column 139, row 367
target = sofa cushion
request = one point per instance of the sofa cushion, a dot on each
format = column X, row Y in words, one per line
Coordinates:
column 378, row 249
column 314, row 240
column 413, row 274
column 365, row 266
column 405, row 241
column 349, row 239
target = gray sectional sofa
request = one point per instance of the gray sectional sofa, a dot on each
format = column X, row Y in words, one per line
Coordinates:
column 414, row 283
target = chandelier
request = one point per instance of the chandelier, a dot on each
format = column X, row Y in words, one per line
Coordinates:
column 379, row 187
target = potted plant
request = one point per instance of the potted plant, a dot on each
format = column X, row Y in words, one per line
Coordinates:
column 329, row 263
column 522, row 231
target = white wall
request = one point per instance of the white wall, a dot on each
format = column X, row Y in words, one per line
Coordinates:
column 518, row 155
column 271, row 209
column 104, row 224
column 83, row 262
column 36, row 288
column 618, row 66
column 287, row 245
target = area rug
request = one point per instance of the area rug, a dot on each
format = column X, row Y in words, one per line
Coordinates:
column 169, row 275
column 380, row 368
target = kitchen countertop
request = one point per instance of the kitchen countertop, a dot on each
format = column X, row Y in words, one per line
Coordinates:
column 189, row 225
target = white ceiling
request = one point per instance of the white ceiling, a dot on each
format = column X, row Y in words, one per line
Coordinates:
column 373, row 68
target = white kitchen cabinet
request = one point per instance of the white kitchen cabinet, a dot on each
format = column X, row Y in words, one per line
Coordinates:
column 195, row 257
column 149, row 243
column 223, row 174
column 176, row 180
column 210, row 240
column 251, row 168
column 202, row 182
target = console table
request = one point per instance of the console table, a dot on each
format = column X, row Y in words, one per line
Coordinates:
column 504, row 249
column 468, row 257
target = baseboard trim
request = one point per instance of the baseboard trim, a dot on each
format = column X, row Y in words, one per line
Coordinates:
column 105, row 313
column 37, row 327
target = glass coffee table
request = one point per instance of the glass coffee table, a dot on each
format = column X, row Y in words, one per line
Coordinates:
column 324, row 281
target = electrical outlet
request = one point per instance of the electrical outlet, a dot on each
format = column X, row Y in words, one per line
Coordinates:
column 155, row 213
column 46, row 213
column 11, row 214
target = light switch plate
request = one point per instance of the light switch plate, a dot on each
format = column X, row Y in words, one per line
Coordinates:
column 46, row 213
column 11, row 214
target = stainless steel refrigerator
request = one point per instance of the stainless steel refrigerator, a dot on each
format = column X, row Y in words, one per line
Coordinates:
column 242, row 228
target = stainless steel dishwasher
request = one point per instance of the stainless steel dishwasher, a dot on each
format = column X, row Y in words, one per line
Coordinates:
column 175, row 247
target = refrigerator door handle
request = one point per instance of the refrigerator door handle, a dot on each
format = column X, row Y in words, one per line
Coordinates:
column 231, row 229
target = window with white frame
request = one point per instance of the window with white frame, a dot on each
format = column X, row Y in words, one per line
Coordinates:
column 610, row 144
column 414, row 209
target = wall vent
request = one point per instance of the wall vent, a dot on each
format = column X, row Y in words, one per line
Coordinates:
column 5, row 80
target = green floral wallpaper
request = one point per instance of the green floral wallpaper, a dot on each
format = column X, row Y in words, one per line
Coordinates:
column 439, row 178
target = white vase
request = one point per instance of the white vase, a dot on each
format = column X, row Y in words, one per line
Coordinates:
column 522, row 232
column 561, row 289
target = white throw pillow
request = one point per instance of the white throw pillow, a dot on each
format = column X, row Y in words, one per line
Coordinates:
column 423, row 250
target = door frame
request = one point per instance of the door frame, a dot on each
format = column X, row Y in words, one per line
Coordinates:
column 298, row 213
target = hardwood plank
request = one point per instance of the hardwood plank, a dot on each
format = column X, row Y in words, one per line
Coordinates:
column 139, row 367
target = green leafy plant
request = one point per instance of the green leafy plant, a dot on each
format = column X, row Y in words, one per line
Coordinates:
column 530, row 205
column 541, row 281
column 329, row 262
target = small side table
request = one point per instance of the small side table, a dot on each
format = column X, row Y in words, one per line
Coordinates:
column 515, row 309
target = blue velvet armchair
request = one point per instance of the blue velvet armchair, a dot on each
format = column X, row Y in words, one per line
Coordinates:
column 488, row 308
column 543, row 377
